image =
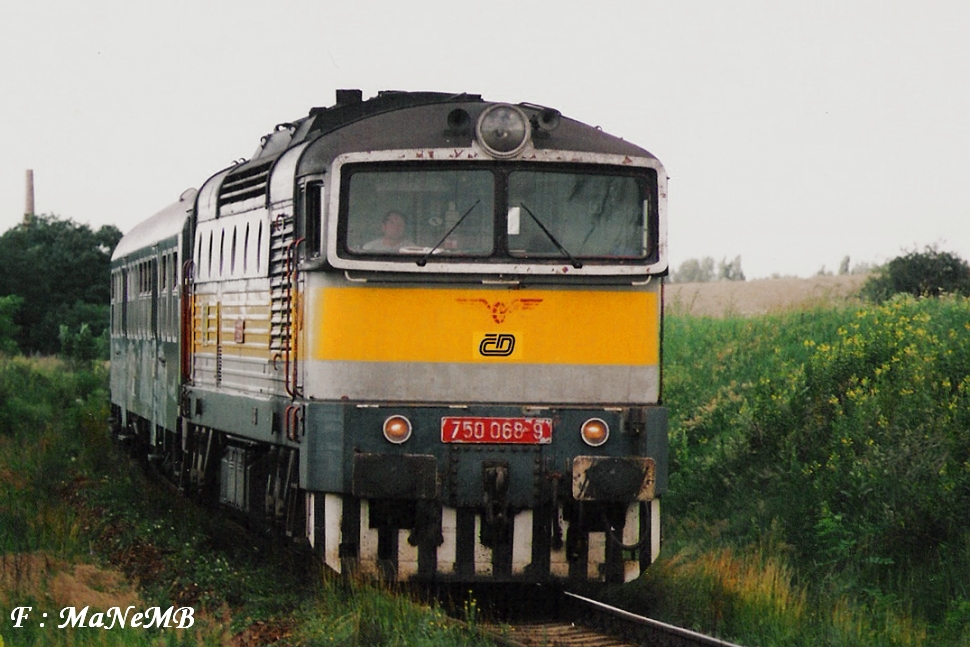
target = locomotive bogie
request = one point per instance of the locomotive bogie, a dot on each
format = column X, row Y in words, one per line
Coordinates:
column 539, row 544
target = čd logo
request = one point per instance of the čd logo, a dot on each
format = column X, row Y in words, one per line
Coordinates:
column 497, row 345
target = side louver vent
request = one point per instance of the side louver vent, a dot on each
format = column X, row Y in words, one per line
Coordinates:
column 244, row 186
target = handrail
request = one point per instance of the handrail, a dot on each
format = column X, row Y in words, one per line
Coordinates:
column 188, row 321
column 293, row 422
column 291, row 345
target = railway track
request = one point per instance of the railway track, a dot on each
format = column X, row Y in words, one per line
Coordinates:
column 544, row 617
column 583, row 622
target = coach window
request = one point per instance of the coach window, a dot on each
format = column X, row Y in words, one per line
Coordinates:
column 124, row 301
column 152, row 293
column 175, row 272
column 162, row 297
column 172, row 301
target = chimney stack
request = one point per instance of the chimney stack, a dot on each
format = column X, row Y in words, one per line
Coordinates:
column 29, row 206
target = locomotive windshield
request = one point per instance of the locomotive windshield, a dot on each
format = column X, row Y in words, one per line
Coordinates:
column 496, row 212
column 415, row 212
column 576, row 214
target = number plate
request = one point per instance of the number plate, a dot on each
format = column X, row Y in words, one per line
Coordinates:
column 523, row 431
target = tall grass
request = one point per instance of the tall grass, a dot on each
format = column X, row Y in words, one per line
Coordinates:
column 68, row 496
column 842, row 434
column 368, row 614
column 52, row 442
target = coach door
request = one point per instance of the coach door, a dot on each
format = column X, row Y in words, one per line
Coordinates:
column 166, row 333
column 156, row 350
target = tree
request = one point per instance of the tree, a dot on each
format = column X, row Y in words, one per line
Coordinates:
column 730, row 271
column 694, row 271
column 923, row 274
column 844, row 266
column 61, row 271
column 8, row 329
column 702, row 270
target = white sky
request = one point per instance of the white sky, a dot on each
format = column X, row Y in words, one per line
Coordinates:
column 794, row 133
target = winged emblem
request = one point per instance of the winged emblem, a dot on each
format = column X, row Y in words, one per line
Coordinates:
column 501, row 309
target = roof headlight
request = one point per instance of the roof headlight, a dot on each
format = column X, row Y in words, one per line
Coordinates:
column 397, row 429
column 503, row 130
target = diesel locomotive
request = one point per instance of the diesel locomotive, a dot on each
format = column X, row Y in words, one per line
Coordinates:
column 420, row 332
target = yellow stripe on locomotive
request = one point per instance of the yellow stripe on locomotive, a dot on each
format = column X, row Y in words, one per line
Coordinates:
column 448, row 325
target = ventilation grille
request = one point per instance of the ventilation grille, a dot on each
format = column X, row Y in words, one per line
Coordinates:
column 245, row 185
column 280, row 284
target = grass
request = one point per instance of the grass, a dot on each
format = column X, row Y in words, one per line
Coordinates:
column 72, row 506
column 753, row 594
column 820, row 476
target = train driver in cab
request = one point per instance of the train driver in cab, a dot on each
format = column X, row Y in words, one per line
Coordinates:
column 393, row 236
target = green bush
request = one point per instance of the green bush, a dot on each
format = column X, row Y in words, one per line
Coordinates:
column 927, row 273
column 849, row 430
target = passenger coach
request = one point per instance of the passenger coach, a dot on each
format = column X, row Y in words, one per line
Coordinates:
column 420, row 332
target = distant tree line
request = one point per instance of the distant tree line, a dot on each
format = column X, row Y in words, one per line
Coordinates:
column 925, row 273
column 703, row 270
column 55, row 287
column 858, row 268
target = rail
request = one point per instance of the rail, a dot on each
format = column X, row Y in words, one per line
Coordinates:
column 656, row 633
column 583, row 622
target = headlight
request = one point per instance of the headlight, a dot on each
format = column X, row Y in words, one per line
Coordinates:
column 503, row 130
column 595, row 432
column 397, row 429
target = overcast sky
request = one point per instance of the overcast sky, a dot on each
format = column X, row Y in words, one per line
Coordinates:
column 794, row 133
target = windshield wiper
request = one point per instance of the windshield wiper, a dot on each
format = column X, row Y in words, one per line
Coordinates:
column 577, row 264
column 424, row 259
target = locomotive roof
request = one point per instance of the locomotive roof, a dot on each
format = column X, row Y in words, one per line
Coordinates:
column 350, row 107
column 396, row 123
